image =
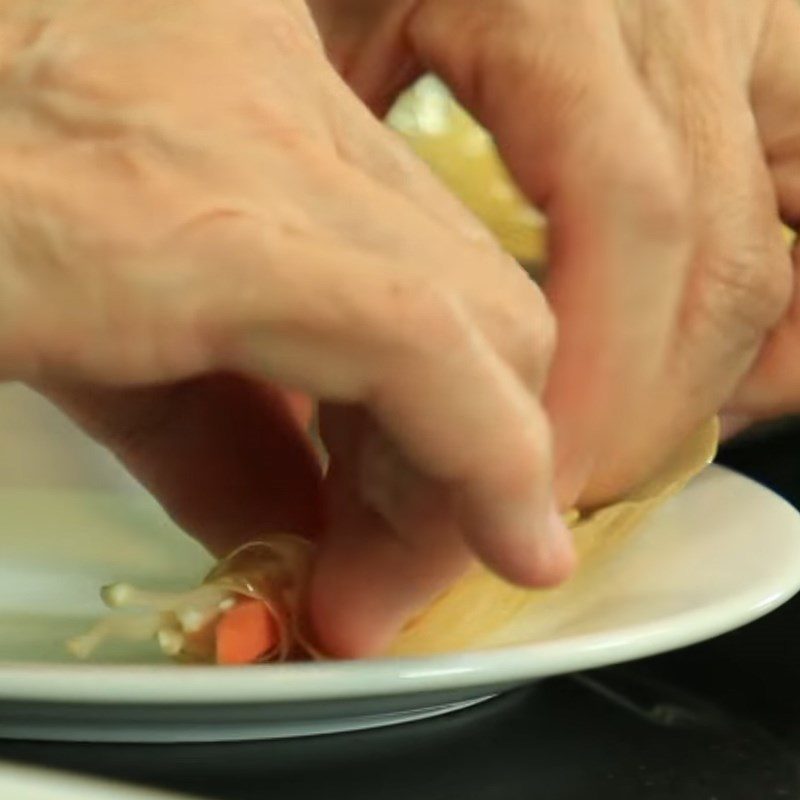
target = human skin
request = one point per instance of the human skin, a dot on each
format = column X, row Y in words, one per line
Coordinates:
column 198, row 213
column 662, row 140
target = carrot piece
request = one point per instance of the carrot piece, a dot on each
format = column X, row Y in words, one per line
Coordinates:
column 245, row 632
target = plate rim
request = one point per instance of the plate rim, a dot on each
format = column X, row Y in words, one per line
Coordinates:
column 65, row 785
column 105, row 684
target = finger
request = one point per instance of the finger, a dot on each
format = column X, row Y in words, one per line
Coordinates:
column 382, row 335
column 386, row 160
column 463, row 419
column 366, row 44
column 223, row 455
column 377, row 333
column 382, row 154
column 584, row 143
column 367, row 586
column 395, row 537
column 375, row 570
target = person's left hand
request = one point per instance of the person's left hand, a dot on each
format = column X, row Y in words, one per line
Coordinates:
column 662, row 139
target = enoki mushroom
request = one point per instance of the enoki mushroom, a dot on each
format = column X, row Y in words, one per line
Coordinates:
column 245, row 611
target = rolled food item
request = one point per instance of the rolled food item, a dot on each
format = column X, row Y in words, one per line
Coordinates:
column 249, row 609
column 463, row 155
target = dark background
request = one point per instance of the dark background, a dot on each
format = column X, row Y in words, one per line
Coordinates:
column 717, row 721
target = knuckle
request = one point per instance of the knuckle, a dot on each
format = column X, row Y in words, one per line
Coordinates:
column 427, row 319
column 398, row 491
column 59, row 51
column 751, row 286
column 519, row 476
column 653, row 192
column 431, row 321
column 422, row 333
column 744, row 266
column 498, row 31
column 664, row 208
column 530, row 334
column 492, row 34
column 776, row 291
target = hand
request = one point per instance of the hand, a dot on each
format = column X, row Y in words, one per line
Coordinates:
column 662, row 139
column 195, row 214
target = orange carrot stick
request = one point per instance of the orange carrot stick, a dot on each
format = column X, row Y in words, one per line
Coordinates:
column 245, row 633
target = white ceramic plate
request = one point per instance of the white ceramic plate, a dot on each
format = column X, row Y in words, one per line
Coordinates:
column 724, row 552
column 27, row 783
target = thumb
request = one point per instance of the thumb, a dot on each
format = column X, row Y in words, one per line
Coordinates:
column 553, row 82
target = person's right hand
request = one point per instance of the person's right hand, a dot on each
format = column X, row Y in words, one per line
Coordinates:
column 192, row 203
